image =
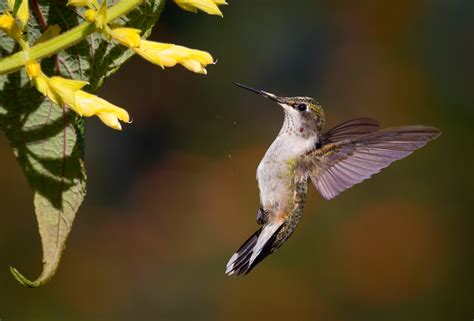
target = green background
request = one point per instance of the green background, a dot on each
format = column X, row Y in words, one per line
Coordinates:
column 174, row 195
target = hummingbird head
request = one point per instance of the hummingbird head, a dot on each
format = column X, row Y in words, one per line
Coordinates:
column 303, row 115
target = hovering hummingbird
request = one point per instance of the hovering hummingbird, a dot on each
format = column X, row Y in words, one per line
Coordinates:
column 333, row 161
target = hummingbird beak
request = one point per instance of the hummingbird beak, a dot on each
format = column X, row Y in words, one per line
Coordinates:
column 260, row 92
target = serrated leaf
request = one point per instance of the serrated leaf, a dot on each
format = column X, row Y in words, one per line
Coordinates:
column 48, row 140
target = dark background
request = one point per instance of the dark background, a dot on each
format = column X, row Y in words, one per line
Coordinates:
column 172, row 196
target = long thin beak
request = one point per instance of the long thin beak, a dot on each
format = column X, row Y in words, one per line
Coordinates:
column 260, row 92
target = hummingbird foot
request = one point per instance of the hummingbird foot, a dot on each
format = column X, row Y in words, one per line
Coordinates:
column 262, row 216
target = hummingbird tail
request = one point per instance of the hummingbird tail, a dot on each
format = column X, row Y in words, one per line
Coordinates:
column 254, row 250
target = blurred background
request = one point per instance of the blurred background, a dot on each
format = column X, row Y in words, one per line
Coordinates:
column 174, row 195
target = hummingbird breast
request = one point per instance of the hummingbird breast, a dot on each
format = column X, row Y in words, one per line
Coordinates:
column 275, row 174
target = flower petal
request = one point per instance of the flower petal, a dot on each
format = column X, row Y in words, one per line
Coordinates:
column 89, row 105
column 33, row 69
column 194, row 66
column 129, row 37
column 110, row 120
column 92, row 4
column 41, row 83
column 9, row 25
column 65, row 89
column 208, row 6
column 60, row 82
column 187, row 7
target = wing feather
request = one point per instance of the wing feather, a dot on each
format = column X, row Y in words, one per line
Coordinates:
column 344, row 162
column 349, row 129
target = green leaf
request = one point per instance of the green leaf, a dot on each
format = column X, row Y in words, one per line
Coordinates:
column 47, row 139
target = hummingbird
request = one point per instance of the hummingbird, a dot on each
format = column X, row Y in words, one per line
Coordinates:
column 332, row 161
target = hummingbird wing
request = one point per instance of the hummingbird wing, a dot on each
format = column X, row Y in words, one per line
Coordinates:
column 340, row 165
column 349, row 129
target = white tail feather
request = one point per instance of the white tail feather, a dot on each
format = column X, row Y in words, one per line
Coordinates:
column 267, row 232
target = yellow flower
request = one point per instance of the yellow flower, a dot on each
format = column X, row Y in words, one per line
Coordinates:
column 162, row 54
column 67, row 91
column 9, row 25
column 99, row 17
column 90, row 15
column 129, row 37
column 23, row 12
column 168, row 55
column 33, row 69
column 92, row 4
column 208, row 6
column 88, row 105
column 41, row 82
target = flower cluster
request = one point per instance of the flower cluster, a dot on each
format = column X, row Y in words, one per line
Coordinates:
column 161, row 54
column 68, row 92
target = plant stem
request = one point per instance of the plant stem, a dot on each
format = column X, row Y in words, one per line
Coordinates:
column 65, row 40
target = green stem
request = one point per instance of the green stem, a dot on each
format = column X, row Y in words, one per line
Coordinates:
column 65, row 40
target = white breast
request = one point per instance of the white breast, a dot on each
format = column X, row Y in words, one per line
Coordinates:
column 272, row 172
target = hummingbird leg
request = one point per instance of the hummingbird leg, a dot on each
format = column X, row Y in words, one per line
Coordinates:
column 262, row 216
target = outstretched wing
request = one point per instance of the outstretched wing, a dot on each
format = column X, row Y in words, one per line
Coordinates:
column 349, row 129
column 337, row 166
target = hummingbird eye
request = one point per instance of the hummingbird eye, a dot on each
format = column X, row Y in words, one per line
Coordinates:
column 301, row 107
